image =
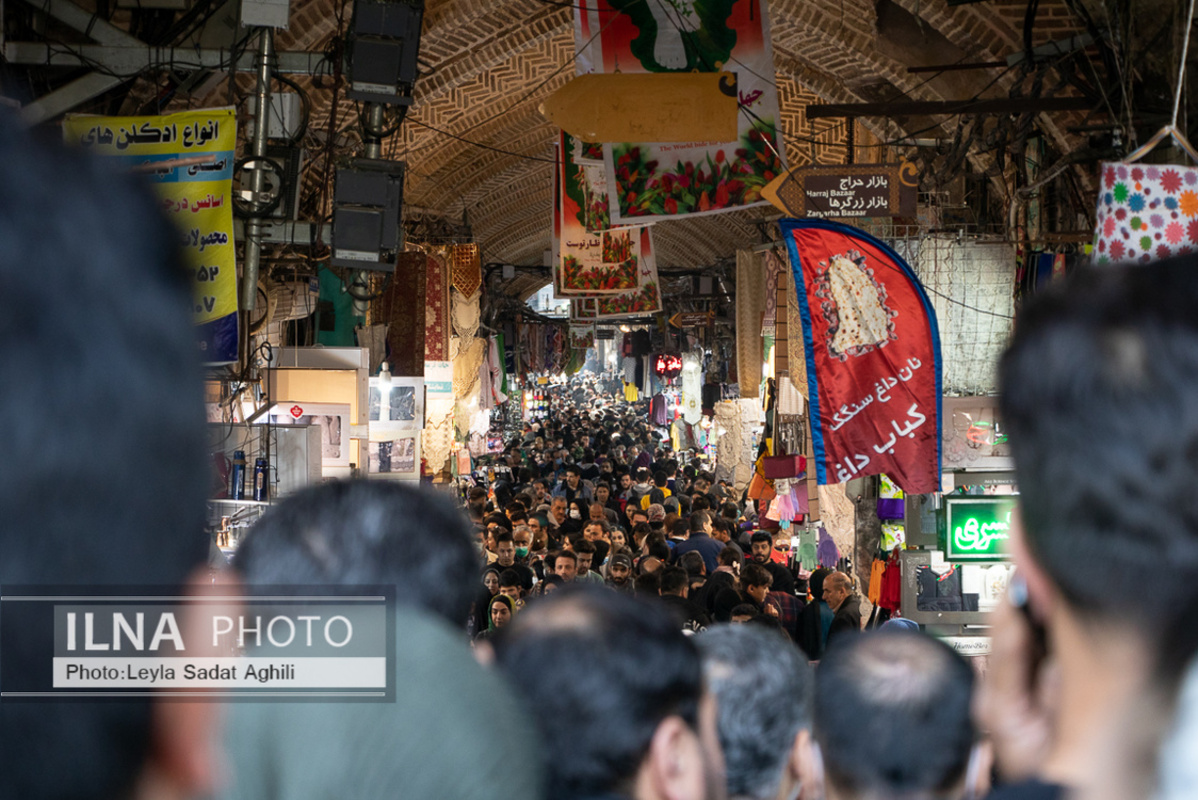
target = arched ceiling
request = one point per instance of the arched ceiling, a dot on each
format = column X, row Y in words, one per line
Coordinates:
column 479, row 152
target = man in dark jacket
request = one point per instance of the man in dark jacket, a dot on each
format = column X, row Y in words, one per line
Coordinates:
column 700, row 541
column 845, row 604
column 675, row 591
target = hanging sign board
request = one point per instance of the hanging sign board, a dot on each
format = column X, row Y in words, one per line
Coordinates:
column 977, row 528
column 189, row 158
column 692, row 319
column 861, row 190
column 651, row 107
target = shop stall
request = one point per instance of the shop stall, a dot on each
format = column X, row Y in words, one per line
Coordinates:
column 956, row 565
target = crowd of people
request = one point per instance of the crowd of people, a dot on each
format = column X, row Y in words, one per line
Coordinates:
column 606, row 661
column 597, row 496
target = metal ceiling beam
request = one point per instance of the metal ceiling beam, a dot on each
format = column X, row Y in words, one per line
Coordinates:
column 64, row 99
column 912, row 108
column 90, row 85
column 118, row 57
column 130, row 60
column 86, row 22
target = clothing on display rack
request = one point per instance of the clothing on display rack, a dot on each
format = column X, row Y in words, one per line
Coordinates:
column 712, row 394
column 640, row 343
column 826, row 551
column 988, row 582
column 876, row 570
column 808, row 559
column 892, row 583
column 941, row 591
column 658, row 414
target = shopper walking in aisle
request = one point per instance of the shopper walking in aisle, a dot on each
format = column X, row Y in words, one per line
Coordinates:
column 374, row 533
column 764, row 688
column 641, row 725
column 1102, row 518
column 104, row 471
column 914, row 692
column 845, row 605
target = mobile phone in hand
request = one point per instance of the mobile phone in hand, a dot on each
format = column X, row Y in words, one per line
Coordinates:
column 1017, row 594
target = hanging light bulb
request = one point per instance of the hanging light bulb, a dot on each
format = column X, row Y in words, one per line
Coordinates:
column 385, row 373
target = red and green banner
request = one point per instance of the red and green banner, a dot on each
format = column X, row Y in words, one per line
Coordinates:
column 594, row 261
column 646, row 299
column 872, row 348
column 649, row 181
column 583, row 308
column 582, row 337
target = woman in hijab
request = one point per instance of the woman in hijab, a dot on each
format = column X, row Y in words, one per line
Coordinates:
column 500, row 611
column 574, row 518
column 479, row 610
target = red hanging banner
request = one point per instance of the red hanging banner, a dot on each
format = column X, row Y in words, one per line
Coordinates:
column 873, row 357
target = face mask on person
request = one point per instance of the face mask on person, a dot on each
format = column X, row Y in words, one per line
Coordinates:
column 575, row 514
column 521, row 552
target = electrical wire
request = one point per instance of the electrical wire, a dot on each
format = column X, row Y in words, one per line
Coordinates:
column 305, row 102
column 481, row 145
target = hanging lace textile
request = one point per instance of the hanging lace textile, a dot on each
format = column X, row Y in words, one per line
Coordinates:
column 692, row 389
column 466, row 275
column 750, row 306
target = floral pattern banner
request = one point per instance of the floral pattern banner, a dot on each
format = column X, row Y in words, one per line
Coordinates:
column 588, row 181
column 582, row 337
column 647, row 182
column 1146, row 213
column 594, row 261
column 583, row 308
column 647, row 297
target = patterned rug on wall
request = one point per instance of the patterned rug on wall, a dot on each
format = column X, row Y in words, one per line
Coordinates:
column 401, row 309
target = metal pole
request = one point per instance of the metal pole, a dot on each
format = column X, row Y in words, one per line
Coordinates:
column 253, row 228
column 372, row 147
column 372, row 142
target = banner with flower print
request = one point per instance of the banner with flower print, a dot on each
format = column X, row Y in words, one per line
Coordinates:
column 583, row 308
column 583, row 164
column 1146, row 212
column 647, row 297
column 651, row 181
column 582, row 337
column 594, row 260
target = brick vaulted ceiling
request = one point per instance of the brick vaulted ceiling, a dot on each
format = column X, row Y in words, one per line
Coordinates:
column 477, row 148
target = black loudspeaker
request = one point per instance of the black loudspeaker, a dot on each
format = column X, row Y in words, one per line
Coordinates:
column 367, row 214
column 384, row 40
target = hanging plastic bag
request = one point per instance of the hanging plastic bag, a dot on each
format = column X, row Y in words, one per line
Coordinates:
column 1147, row 212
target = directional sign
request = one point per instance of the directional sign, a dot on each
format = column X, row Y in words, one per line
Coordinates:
column 651, row 107
column 692, row 319
column 843, row 191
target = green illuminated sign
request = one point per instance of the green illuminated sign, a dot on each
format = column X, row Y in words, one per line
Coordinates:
column 977, row 528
